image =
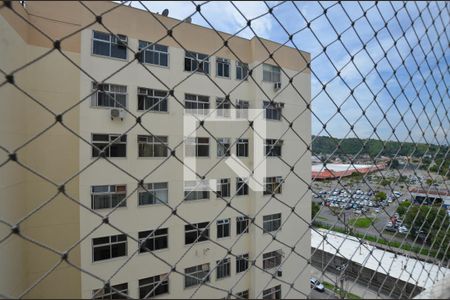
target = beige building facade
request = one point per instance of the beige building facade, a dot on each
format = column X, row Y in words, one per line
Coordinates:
column 59, row 192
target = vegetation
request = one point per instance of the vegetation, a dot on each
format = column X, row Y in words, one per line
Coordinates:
column 433, row 221
column 315, row 208
column 372, row 147
column 403, row 207
column 335, row 289
column 364, row 222
column 380, row 196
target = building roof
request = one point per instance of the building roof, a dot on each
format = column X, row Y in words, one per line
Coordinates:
column 405, row 268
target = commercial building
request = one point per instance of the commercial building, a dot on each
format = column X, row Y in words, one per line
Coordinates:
column 332, row 171
column 66, row 210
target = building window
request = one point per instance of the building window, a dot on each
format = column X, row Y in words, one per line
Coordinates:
column 242, row 107
column 152, row 100
column 223, row 147
column 223, row 268
column 109, row 45
column 154, row 54
column 273, row 147
column 196, row 62
column 242, row 295
column 196, row 190
column 194, row 233
column 271, row 73
column 272, row 259
column 196, row 104
column 272, row 185
column 241, row 263
column 114, row 292
column 113, row 145
column 153, row 286
column 108, row 247
column 109, row 95
column 241, row 70
column 242, row 224
column 241, row 186
column 152, row 146
column 272, row 293
column 223, row 67
column 223, row 106
column 108, row 196
column 196, row 275
column 271, row 222
column 273, row 110
column 151, row 240
column 154, row 193
column 242, row 147
column 223, row 228
column 223, row 187
column 198, row 146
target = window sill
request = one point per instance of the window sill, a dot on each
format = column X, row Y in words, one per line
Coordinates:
column 110, row 57
column 196, row 200
column 152, row 111
column 152, row 205
column 100, row 210
column 109, row 260
column 153, row 65
column 108, row 107
column 154, row 251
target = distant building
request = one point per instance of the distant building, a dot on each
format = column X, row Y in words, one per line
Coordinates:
column 431, row 196
column 332, row 171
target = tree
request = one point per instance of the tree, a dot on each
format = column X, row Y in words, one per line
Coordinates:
column 395, row 164
column 429, row 181
column 315, row 208
column 434, row 221
column 380, row 196
column 403, row 207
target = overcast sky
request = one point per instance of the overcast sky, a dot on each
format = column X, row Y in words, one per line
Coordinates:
column 427, row 117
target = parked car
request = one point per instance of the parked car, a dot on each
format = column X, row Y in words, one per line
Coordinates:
column 403, row 229
column 390, row 228
column 315, row 284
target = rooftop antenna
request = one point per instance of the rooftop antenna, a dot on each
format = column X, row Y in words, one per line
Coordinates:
column 165, row 12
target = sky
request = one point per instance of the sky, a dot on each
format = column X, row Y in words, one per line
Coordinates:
column 410, row 104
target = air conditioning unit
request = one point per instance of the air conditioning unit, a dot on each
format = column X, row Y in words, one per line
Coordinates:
column 117, row 113
column 277, row 86
column 279, row 180
column 279, row 273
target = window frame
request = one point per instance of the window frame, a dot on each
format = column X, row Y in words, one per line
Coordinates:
column 151, row 95
column 112, row 39
column 223, row 184
column 153, row 141
column 111, row 137
column 275, row 183
column 223, row 145
column 272, row 260
column 106, row 88
column 273, row 147
column 202, row 269
column 223, row 107
column 242, row 262
column 151, row 49
column 242, row 143
column 242, row 68
column 154, row 280
column 110, row 243
column 223, row 268
column 151, row 237
column 153, row 191
column 110, row 195
column 272, row 112
column 241, row 191
column 240, row 229
column 201, row 107
column 271, row 221
column 242, row 107
column 111, row 293
column 195, row 143
column 194, row 57
column 274, row 73
column 222, row 63
column 193, row 193
column 223, row 228
column 200, row 230
column 272, row 293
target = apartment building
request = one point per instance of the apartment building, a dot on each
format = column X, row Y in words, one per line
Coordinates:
column 93, row 220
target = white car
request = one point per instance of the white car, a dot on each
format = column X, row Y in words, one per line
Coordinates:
column 315, row 284
column 403, row 229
